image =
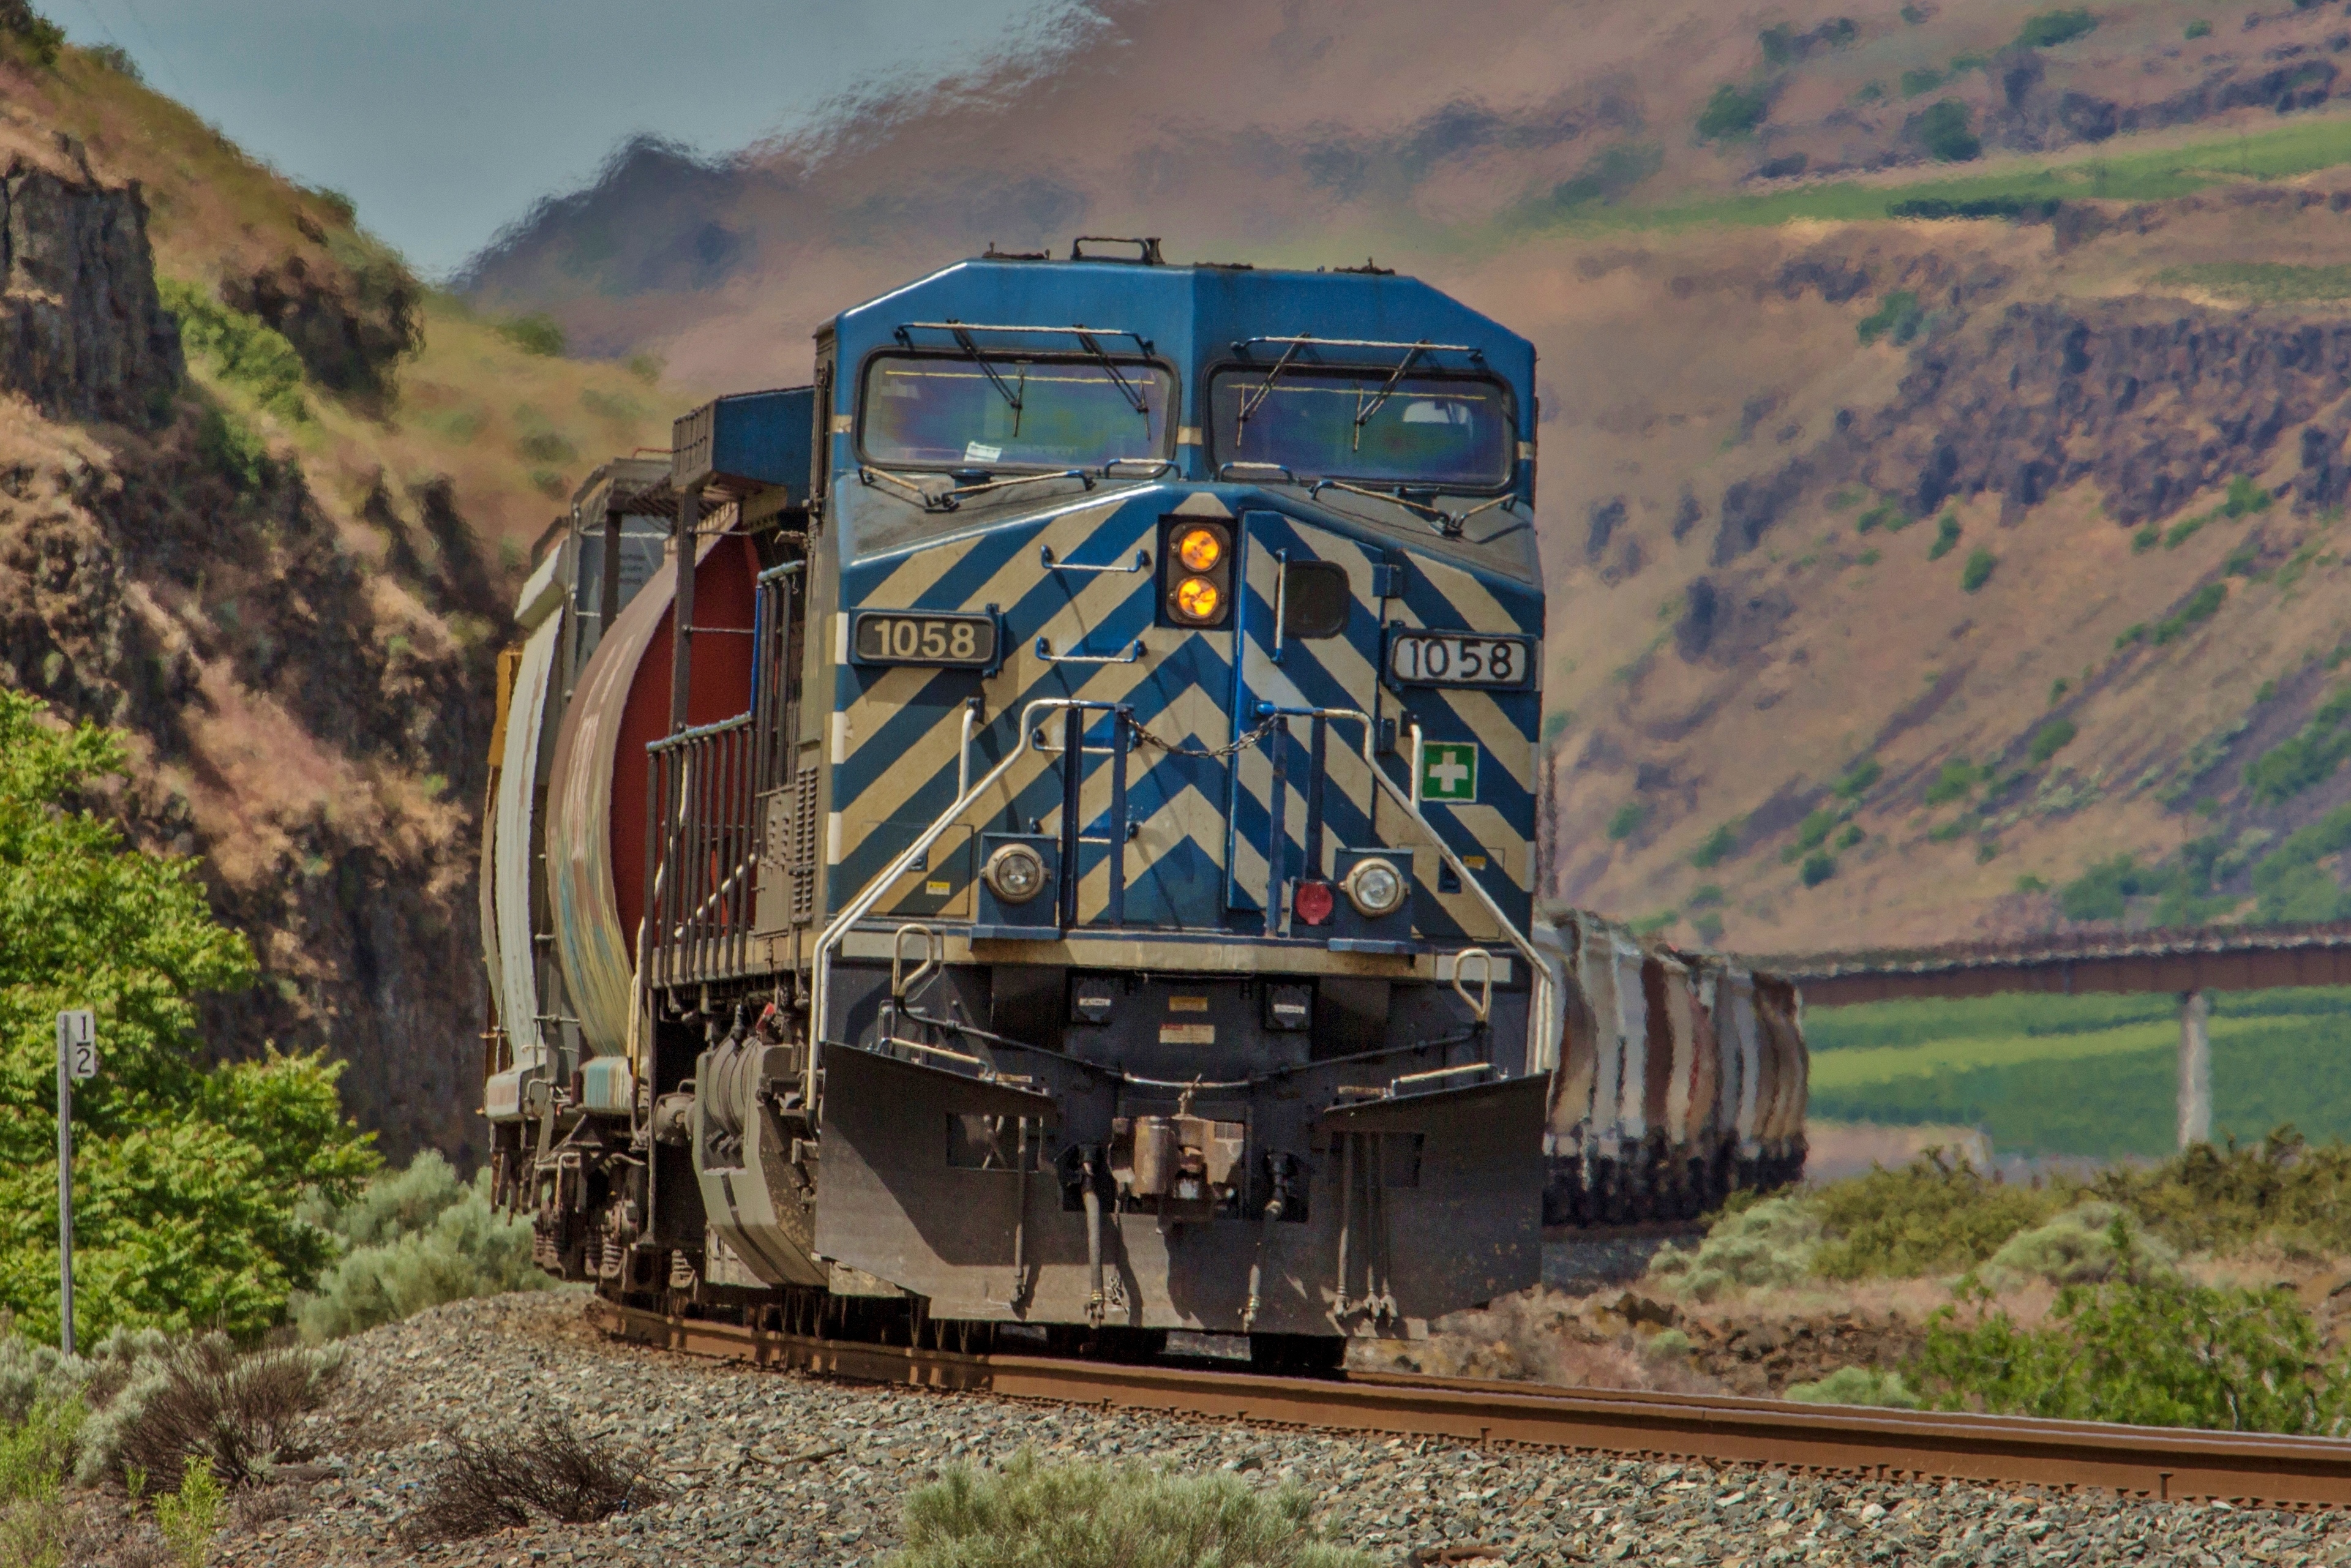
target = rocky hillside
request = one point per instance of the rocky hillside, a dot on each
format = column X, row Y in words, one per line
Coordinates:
column 1945, row 407
column 262, row 502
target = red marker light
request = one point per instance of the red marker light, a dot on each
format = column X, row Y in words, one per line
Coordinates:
column 1313, row 902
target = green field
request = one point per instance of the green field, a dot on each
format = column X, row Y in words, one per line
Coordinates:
column 2083, row 1076
column 2155, row 175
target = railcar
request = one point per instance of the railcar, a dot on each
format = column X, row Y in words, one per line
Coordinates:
column 1031, row 833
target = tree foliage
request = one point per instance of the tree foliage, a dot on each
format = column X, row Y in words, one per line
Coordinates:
column 186, row 1173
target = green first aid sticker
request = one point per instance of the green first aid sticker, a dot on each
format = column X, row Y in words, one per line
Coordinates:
column 1449, row 772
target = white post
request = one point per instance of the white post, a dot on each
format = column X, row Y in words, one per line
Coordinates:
column 2195, row 1071
column 65, row 1189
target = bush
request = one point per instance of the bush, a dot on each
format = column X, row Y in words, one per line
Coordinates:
column 32, row 35
column 537, row 333
column 190, row 1519
column 1856, row 1385
column 1028, row 1514
column 2151, row 1353
column 1610, row 175
column 2051, row 29
column 1897, row 318
column 419, row 1238
column 2281, row 1190
column 646, row 368
column 1919, row 80
column 1956, row 782
column 1942, row 129
column 1767, row 1244
column 116, row 58
column 37, row 1447
column 2050, row 739
column 2199, row 28
column 2290, row 882
column 546, row 446
column 2201, row 606
column 1733, row 113
column 1947, row 536
column 198, row 1401
column 188, row 1172
column 2083, row 1245
column 242, row 350
column 2244, row 498
column 1940, row 207
column 1978, row 572
column 1933, row 1216
column 1859, row 779
column 512, row 1478
column 2309, row 757
column 1818, row 868
column 1627, row 820
column 1716, row 847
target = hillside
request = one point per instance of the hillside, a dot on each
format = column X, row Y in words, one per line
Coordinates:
column 262, row 499
column 1912, row 568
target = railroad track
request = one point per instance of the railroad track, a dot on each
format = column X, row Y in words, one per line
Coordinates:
column 2136, row 1461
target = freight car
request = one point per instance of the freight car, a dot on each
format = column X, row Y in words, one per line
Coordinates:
column 1031, row 834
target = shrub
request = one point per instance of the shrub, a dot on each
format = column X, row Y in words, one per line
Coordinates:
column 31, row 36
column 188, row 1171
column 1084, row 1516
column 1942, row 129
column 2083, row 1245
column 2201, row 607
column 242, row 350
column 1716, row 847
column 546, row 446
column 2157, row 1352
column 1852, row 834
column 190, row 1518
column 510, row 1477
column 1856, row 1385
column 646, row 368
column 1897, row 318
column 2187, row 528
column 537, row 333
column 2051, row 29
column 2244, row 498
column 419, row 1238
column 1947, row 536
column 1919, row 80
column 1609, row 174
column 1935, row 208
column 1767, row 1244
column 2050, row 739
column 1859, row 779
column 1733, row 113
column 2308, row 757
column 116, row 58
column 1813, row 832
column 1978, row 572
column 2199, row 28
column 36, row 1448
column 2145, row 540
column 1627, row 820
column 1818, row 868
column 2280, row 1189
column 1932, row 1215
column 1708, row 896
column 338, row 205
column 1956, row 782
column 200, row 1401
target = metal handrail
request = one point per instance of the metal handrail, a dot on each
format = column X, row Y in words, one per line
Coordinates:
column 857, row 908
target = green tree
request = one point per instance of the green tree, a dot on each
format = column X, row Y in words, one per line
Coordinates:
column 187, row 1174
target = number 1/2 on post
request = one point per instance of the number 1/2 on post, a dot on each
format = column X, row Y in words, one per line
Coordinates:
column 77, row 1060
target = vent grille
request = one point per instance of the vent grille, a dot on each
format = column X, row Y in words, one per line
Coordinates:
column 800, row 865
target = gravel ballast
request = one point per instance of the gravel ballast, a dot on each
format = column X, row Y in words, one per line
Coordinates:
column 776, row 1468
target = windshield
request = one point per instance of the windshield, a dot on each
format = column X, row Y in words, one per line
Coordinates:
column 936, row 411
column 1336, row 425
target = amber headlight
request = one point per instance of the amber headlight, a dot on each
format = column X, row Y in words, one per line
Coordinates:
column 1200, row 550
column 1198, row 599
column 1014, row 873
column 1375, row 888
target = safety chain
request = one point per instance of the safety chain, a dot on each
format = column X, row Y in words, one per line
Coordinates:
column 1240, row 743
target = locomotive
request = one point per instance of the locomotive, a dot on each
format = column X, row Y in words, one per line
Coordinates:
column 1031, row 833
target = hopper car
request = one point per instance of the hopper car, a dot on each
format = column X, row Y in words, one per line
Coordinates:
column 1031, row 834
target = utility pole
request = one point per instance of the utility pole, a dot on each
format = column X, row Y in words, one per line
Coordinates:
column 77, row 1058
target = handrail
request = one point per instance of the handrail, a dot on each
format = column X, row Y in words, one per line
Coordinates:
column 1045, row 653
column 857, row 908
column 1540, row 1026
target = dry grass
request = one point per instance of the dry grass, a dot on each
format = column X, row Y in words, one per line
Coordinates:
column 508, row 1477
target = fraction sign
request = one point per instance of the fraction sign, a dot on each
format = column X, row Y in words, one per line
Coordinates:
column 78, row 1043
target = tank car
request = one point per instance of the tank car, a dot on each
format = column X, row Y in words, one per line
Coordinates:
column 1031, row 833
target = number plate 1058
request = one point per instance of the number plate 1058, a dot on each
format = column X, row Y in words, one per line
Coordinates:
column 1450, row 659
column 887, row 639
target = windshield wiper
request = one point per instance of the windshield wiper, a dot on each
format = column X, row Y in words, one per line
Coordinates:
column 1011, row 394
column 1253, row 400
column 1110, row 368
column 950, row 499
column 1447, row 524
column 1388, row 387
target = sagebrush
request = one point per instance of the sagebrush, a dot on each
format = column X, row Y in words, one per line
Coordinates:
column 418, row 1236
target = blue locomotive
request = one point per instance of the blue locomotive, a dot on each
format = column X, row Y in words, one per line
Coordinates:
column 1058, row 859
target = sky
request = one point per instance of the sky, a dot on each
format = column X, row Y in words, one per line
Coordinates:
column 446, row 120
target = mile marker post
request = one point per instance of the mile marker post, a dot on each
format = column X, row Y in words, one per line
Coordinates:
column 77, row 1059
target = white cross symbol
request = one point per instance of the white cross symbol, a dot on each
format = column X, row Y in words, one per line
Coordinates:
column 1450, row 773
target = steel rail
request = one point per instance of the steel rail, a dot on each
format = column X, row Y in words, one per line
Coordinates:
column 2165, row 1463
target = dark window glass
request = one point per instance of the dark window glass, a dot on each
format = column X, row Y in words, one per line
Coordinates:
column 933, row 410
column 1315, row 599
column 1335, row 424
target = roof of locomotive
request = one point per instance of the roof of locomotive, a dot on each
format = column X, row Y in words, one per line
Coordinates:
column 1193, row 316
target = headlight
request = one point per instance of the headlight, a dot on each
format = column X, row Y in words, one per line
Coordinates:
column 1014, row 873
column 1200, row 550
column 1197, row 599
column 1375, row 888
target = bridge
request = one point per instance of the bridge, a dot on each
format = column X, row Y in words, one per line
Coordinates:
column 2186, row 962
